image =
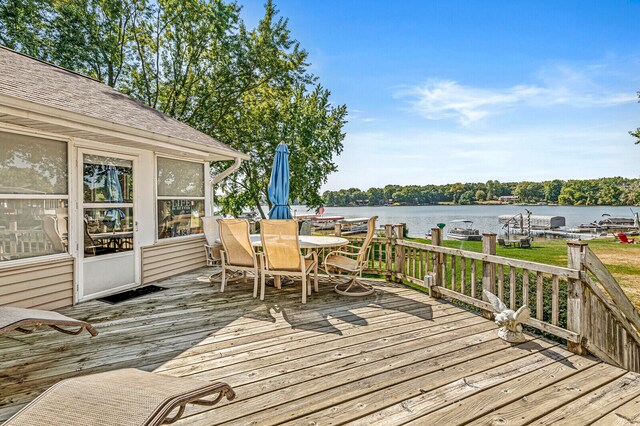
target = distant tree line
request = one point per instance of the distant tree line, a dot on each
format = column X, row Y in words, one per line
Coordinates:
column 616, row 191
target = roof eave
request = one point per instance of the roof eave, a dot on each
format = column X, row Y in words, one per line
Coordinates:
column 16, row 106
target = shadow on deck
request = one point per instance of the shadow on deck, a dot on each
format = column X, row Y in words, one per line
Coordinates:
column 394, row 357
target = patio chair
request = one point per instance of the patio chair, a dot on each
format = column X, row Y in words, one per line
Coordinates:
column 120, row 397
column 281, row 255
column 525, row 242
column 624, row 239
column 12, row 318
column 237, row 253
column 351, row 264
column 213, row 246
column 503, row 244
column 51, row 231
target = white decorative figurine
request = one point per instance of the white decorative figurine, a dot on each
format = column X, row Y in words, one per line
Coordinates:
column 510, row 321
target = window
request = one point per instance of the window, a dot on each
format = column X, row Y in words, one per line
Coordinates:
column 33, row 196
column 180, row 197
column 107, row 191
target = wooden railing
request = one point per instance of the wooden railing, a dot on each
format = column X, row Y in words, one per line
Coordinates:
column 581, row 303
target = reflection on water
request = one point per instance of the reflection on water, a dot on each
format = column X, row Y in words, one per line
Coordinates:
column 421, row 218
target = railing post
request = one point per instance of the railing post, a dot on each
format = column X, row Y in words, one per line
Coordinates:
column 388, row 251
column 576, row 304
column 400, row 257
column 488, row 268
column 337, row 229
column 436, row 240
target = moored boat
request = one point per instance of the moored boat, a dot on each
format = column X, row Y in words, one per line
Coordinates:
column 463, row 231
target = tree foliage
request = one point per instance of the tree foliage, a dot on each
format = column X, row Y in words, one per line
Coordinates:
column 636, row 133
column 615, row 191
column 196, row 61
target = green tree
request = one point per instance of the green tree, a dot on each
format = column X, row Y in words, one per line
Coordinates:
column 467, row 198
column 552, row 190
column 375, row 196
column 481, row 195
column 312, row 129
column 636, row 133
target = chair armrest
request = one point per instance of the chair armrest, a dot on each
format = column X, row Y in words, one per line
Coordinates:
column 348, row 253
column 311, row 254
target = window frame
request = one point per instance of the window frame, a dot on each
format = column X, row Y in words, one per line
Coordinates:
column 204, row 198
column 36, row 134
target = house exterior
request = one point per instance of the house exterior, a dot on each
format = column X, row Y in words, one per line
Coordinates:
column 508, row 198
column 98, row 192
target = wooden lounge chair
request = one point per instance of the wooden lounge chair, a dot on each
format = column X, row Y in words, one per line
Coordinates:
column 281, row 255
column 624, row 239
column 122, row 397
column 12, row 318
column 351, row 264
column 237, row 253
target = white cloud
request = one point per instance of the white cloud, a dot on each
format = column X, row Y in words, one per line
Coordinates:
column 439, row 157
column 561, row 85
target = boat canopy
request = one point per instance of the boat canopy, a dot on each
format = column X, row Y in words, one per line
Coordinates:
column 536, row 221
column 461, row 221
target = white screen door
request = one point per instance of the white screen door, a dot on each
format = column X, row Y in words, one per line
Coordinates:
column 107, row 224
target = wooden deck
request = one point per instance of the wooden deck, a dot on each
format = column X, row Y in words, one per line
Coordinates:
column 396, row 357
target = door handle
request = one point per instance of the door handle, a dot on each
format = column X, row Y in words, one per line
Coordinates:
column 135, row 226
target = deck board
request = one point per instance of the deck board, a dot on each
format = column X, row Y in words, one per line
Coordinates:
column 394, row 357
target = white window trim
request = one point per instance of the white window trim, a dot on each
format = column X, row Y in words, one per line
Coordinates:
column 14, row 263
column 168, row 197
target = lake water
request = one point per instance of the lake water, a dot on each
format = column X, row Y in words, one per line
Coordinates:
column 419, row 219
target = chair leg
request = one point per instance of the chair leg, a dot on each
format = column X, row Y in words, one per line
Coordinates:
column 244, row 276
column 262, row 285
column 304, row 288
column 223, row 279
column 255, row 283
column 315, row 278
column 308, row 278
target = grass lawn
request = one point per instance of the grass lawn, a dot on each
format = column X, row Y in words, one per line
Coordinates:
column 622, row 260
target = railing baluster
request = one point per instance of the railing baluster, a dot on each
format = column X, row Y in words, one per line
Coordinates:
column 555, row 289
column 473, row 278
column 539, row 296
column 512, row 287
column 453, row 273
column 525, row 287
column 463, row 275
column 415, row 255
column 500, row 282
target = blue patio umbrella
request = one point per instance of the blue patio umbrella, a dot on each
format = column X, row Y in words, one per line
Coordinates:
column 113, row 193
column 279, row 184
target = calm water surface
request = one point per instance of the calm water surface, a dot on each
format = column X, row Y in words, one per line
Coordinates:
column 421, row 218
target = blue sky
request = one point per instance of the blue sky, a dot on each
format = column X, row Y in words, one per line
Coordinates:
column 466, row 91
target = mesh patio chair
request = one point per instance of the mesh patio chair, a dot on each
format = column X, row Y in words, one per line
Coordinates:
column 281, row 255
column 237, row 254
column 29, row 320
column 127, row 397
column 50, row 229
column 350, row 264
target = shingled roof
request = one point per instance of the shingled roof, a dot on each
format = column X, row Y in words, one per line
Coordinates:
column 32, row 80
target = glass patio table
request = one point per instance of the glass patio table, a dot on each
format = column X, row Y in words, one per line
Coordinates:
column 314, row 242
column 318, row 243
